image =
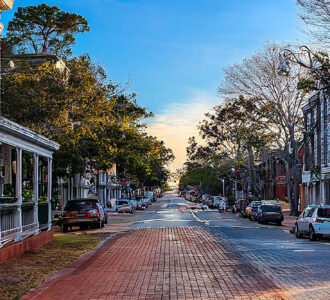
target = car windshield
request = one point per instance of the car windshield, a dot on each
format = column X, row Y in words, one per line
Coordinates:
column 324, row 212
column 271, row 208
column 309, row 211
column 83, row 205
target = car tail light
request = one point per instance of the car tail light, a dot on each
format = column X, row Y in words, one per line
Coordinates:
column 93, row 213
column 318, row 221
column 67, row 214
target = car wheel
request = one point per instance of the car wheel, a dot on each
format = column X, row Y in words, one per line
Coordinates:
column 65, row 228
column 312, row 235
column 297, row 232
column 279, row 223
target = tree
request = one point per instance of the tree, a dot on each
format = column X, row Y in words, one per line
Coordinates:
column 235, row 131
column 44, row 29
column 143, row 159
column 95, row 122
column 316, row 15
column 258, row 77
column 316, row 64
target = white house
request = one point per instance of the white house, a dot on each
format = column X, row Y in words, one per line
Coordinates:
column 25, row 182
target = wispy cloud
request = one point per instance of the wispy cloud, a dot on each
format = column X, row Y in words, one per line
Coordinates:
column 179, row 120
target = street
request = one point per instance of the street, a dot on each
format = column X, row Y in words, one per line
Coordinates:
column 170, row 253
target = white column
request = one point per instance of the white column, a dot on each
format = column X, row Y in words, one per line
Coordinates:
column 313, row 200
column 322, row 192
column 19, row 162
column 49, row 192
column 36, row 190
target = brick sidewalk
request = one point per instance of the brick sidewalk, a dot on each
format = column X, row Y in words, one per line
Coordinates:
column 163, row 263
column 289, row 221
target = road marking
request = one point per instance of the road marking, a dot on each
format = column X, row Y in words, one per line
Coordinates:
column 303, row 250
column 161, row 220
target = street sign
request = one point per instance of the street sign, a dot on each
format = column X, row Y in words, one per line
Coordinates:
column 306, row 177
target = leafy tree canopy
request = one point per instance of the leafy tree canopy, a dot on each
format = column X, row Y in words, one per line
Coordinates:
column 95, row 122
column 44, row 29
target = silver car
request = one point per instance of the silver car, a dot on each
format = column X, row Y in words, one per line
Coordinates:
column 314, row 221
column 124, row 206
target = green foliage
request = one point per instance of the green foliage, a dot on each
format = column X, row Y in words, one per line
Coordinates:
column 27, row 196
column 93, row 120
column 44, row 29
column 231, row 200
column 235, row 126
column 206, row 177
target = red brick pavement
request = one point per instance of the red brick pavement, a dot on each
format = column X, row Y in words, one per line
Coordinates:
column 162, row 263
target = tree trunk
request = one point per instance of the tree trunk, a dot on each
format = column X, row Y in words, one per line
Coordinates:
column 288, row 181
column 251, row 167
column 295, row 176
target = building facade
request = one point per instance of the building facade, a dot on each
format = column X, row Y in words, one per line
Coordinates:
column 316, row 165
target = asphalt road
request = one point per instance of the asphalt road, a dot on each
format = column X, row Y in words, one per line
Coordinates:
column 298, row 266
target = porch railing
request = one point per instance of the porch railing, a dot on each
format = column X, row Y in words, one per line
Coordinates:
column 29, row 225
column 9, row 224
column 12, row 214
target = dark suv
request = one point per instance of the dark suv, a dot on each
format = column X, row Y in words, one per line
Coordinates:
column 270, row 213
column 83, row 213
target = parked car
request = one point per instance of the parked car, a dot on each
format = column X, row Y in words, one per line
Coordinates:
column 314, row 221
column 223, row 204
column 150, row 195
column 216, row 201
column 83, row 213
column 139, row 204
column 124, row 206
column 144, row 202
column 270, row 213
column 147, row 200
column 252, row 210
column 133, row 203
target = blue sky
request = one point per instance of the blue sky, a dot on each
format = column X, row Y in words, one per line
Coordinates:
column 173, row 51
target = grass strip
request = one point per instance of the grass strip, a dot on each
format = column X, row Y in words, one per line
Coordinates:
column 21, row 274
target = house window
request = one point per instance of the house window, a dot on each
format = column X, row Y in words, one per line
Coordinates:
column 43, row 178
column 27, row 176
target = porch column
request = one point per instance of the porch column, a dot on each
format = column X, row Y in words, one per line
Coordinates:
column 36, row 190
column 19, row 162
column 49, row 192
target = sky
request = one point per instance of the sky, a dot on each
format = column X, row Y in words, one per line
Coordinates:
column 172, row 52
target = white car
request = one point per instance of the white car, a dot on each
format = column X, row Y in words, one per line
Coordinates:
column 314, row 221
column 149, row 195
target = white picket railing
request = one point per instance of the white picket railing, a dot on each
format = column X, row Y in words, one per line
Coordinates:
column 29, row 225
column 9, row 224
column 10, row 218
